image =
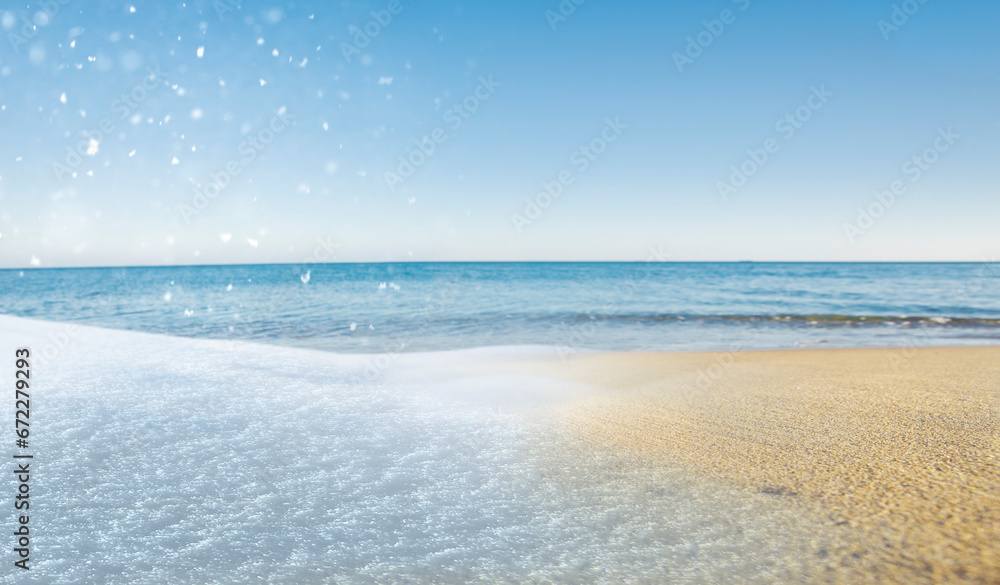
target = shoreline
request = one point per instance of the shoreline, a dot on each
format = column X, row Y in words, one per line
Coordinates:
column 888, row 456
column 734, row 347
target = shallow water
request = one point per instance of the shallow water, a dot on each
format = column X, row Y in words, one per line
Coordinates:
column 173, row 460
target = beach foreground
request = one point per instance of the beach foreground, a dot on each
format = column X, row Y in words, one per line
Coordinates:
column 900, row 445
column 195, row 461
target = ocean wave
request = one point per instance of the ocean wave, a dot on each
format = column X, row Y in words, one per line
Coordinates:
column 826, row 320
column 791, row 319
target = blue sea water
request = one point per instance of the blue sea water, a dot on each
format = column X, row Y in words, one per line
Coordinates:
column 375, row 308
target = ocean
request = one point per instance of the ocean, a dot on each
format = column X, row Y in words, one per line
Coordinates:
column 416, row 307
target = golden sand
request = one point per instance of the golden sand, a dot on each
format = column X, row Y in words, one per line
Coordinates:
column 900, row 446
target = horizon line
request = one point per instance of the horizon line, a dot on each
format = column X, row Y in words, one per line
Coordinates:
column 503, row 262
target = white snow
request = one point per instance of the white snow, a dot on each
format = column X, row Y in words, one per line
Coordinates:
column 172, row 460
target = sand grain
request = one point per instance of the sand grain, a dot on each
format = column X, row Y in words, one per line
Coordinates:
column 900, row 444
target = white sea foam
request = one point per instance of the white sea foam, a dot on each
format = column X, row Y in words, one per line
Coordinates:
column 172, row 460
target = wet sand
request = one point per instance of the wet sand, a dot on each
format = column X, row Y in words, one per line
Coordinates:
column 898, row 446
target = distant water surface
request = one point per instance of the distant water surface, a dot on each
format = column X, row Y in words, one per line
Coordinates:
column 374, row 308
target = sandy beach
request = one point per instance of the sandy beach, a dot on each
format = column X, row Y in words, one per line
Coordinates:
column 508, row 465
column 898, row 445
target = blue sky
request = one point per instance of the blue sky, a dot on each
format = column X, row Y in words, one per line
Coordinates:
column 296, row 123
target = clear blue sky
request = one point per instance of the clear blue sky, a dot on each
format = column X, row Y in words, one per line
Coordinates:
column 337, row 116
